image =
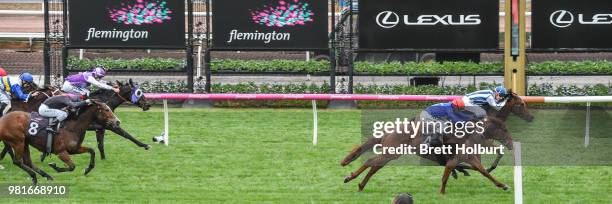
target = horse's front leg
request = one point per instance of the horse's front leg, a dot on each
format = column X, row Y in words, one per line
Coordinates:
column 92, row 157
column 490, row 143
column 100, row 139
column 127, row 135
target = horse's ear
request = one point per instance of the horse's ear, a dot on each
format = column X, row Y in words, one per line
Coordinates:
column 119, row 83
column 131, row 82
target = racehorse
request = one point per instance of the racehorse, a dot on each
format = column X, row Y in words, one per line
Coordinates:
column 493, row 129
column 15, row 125
column 30, row 106
column 514, row 105
column 127, row 93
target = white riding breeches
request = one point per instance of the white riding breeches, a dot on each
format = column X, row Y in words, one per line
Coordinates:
column 45, row 111
column 69, row 88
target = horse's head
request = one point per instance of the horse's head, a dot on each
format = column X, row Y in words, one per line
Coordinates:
column 516, row 105
column 496, row 129
column 130, row 92
column 105, row 115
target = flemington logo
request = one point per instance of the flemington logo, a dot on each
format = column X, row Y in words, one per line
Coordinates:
column 285, row 14
column 390, row 19
column 133, row 13
column 564, row 19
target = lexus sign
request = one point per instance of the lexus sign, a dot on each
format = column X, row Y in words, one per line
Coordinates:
column 571, row 24
column 428, row 24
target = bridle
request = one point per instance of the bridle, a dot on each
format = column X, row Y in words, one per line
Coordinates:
column 47, row 95
column 123, row 98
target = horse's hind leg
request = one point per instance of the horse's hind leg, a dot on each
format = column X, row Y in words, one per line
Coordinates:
column 28, row 161
column 356, row 173
column 7, row 149
column 478, row 167
column 18, row 161
column 450, row 165
column 65, row 157
column 358, row 151
column 376, row 163
column 100, row 139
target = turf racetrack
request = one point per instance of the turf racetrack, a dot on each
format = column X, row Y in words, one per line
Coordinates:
column 267, row 156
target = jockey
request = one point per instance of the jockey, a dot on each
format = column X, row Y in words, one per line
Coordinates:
column 435, row 117
column 79, row 83
column 475, row 101
column 56, row 109
column 12, row 85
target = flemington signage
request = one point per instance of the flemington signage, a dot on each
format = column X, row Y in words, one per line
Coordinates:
column 127, row 23
column 572, row 24
column 428, row 24
column 270, row 24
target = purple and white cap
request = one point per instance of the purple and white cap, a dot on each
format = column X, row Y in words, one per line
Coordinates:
column 98, row 72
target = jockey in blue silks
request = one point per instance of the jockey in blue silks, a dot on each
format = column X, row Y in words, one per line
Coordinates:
column 453, row 111
column 13, row 86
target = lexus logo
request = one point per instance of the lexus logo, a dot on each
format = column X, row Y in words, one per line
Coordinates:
column 387, row 19
column 562, row 18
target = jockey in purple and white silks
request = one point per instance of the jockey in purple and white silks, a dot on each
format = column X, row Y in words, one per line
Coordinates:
column 79, row 83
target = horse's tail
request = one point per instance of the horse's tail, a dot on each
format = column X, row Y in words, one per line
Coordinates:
column 358, row 151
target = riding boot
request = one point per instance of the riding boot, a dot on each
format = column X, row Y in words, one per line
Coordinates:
column 51, row 131
column 2, row 107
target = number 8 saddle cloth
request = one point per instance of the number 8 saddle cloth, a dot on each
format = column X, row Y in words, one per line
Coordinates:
column 37, row 126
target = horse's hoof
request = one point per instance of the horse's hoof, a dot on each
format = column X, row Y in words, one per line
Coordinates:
column 88, row 170
column 361, row 187
column 454, row 174
column 34, row 181
column 49, row 178
column 147, row 147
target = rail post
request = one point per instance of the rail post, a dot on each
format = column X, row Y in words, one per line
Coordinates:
column 514, row 46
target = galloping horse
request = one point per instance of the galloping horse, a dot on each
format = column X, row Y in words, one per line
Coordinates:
column 493, row 129
column 30, row 106
column 15, row 125
column 127, row 93
column 130, row 93
column 514, row 105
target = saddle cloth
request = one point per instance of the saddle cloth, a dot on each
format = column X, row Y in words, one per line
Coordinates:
column 37, row 126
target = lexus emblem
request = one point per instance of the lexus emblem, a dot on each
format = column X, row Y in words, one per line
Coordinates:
column 562, row 18
column 387, row 19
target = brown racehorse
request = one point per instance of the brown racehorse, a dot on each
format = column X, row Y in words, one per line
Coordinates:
column 493, row 129
column 37, row 98
column 514, row 105
column 113, row 100
column 13, row 128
